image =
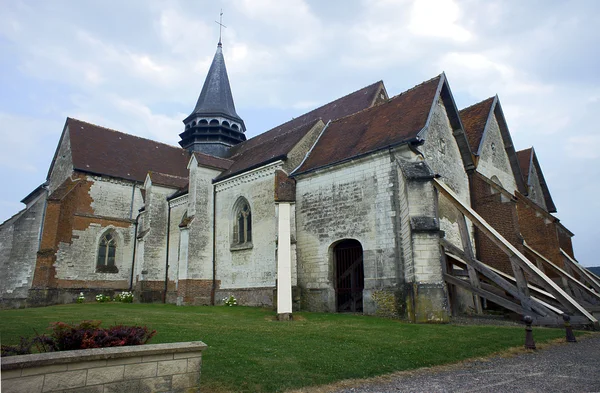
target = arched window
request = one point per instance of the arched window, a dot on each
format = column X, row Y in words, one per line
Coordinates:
column 242, row 231
column 107, row 250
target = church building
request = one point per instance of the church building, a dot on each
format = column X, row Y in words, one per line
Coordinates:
column 402, row 206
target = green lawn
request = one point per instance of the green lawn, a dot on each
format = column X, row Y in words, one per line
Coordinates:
column 249, row 351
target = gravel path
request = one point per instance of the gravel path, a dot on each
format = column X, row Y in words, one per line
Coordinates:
column 560, row 368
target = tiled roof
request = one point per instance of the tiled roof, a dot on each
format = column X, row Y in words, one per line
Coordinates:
column 527, row 157
column 108, row 152
column 170, row 181
column 399, row 119
column 212, row 161
column 278, row 141
column 474, row 119
column 524, row 157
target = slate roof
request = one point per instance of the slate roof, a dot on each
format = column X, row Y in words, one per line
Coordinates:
column 474, row 119
column 398, row 120
column 278, row 141
column 170, row 181
column 100, row 150
column 215, row 97
column 527, row 158
column 212, row 161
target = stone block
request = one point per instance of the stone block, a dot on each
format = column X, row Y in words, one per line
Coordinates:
column 31, row 384
column 194, row 364
column 185, row 355
column 64, row 380
column 86, row 365
column 140, row 370
column 9, row 374
column 87, row 389
column 105, row 375
column 157, row 358
column 123, row 387
column 156, row 384
column 188, row 380
column 116, row 362
column 43, row 370
column 171, row 367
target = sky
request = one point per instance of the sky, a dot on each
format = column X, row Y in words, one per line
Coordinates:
column 138, row 66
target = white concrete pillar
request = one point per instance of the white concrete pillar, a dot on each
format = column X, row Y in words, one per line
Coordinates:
column 284, row 263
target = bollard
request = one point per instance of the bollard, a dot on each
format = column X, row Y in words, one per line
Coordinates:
column 570, row 336
column 529, row 343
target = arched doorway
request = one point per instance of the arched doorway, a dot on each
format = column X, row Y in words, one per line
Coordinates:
column 349, row 276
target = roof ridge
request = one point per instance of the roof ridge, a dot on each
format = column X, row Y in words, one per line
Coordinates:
column 313, row 122
column 166, row 174
column 477, row 103
column 210, row 156
column 317, row 108
column 390, row 99
column 125, row 133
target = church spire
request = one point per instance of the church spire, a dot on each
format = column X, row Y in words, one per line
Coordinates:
column 214, row 125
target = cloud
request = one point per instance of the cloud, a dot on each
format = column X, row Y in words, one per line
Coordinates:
column 437, row 18
column 583, row 147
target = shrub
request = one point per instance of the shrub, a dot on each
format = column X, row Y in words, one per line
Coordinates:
column 102, row 298
column 230, row 301
column 81, row 298
column 87, row 334
column 124, row 297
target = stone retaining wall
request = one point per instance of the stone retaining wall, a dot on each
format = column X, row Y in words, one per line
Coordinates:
column 173, row 367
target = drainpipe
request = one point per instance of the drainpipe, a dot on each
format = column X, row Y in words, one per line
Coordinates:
column 135, row 235
column 167, row 258
column 214, row 248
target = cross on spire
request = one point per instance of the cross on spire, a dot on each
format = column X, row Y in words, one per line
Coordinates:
column 221, row 25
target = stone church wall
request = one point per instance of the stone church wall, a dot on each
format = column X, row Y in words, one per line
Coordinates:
column 443, row 157
column 248, row 271
column 63, row 164
column 19, row 243
column 493, row 160
column 111, row 206
column 350, row 201
column 534, row 187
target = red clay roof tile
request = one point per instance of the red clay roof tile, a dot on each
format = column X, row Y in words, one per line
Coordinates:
column 399, row 119
column 474, row 119
column 108, row 152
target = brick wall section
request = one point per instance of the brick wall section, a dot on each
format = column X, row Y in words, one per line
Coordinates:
column 539, row 229
column 564, row 240
column 146, row 368
column 501, row 213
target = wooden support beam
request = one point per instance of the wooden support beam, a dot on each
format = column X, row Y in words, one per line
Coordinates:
column 586, row 276
column 566, row 300
column 572, row 281
column 488, row 295
column 468, row 250
column 446, row 269
column 521, row 280
column 495, row 278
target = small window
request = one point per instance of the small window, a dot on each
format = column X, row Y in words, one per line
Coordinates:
column 107, row 250
column 242, row 226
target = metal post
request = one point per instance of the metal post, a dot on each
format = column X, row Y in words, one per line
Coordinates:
column 529, row 343
column 569, row 331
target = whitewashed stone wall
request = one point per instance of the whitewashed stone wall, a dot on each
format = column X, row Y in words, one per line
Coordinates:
column 534, row 187
column 493, row 159
column 63, row 164
column 200, row 205
column 253, row 266
column 443, row 157
column 112, row 200
column 19, row 243
column 350, row 201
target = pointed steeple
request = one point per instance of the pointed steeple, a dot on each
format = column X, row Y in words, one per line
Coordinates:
column 214, row 125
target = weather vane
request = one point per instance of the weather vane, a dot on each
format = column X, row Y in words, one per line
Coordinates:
column 221, row 25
